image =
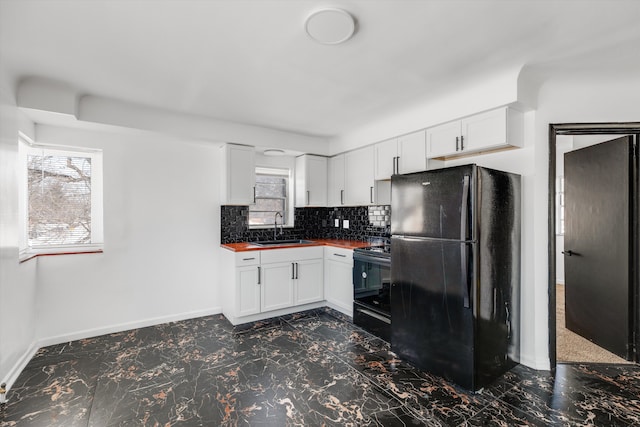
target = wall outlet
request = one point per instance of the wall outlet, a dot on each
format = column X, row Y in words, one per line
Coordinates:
column 336, row 222
column 345, row 223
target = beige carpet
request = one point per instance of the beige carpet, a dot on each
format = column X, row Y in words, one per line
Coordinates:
column 571, row 347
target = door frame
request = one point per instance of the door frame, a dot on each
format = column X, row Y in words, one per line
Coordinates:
column 555, row 129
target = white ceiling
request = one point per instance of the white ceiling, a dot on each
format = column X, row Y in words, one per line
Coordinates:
column 250, row 61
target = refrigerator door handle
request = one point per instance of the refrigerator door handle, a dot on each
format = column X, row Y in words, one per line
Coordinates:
column 464, row 211
column 465, row 275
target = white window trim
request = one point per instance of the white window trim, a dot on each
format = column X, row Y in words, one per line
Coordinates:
column 560, row 207
column 290, row 201
column 28, row 146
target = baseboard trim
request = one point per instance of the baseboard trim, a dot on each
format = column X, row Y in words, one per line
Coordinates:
column 22, row 362
column 274, row 313
column 12, row 376
column 19, row 366
column 535, row 363
column 89, row 333
column 341, row 308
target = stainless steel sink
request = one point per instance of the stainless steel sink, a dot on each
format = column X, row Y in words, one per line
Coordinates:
column 281, row 242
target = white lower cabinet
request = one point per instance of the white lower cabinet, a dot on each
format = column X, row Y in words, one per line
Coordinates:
column 338, row 280
column 248, row 290
column 277, row 286
column 309, row 286
column 292, row 277
column 273, row 282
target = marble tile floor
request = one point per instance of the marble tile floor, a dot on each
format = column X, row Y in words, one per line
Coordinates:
column 310, row 369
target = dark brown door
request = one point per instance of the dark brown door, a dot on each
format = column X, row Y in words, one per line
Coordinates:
column 597, row 244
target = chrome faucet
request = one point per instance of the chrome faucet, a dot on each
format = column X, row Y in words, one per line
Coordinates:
column 275, row 225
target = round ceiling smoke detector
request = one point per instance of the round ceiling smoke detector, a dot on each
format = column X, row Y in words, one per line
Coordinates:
column 330, row 26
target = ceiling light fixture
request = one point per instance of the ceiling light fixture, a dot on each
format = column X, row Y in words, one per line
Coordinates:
column 330, row 26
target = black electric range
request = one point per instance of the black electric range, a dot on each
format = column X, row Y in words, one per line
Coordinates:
column 371, row 290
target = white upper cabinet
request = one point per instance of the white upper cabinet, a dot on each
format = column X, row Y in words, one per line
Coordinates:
column 335, row 181
column 487, row 130
column 386, row 158
column 405, row 154
column 359, row 177
column 444, row 140
column 412, row 153
column 311, row 181
column 238, row 180
column 496, row 129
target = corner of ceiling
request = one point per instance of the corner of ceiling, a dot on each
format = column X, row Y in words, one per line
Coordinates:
column 44, row 94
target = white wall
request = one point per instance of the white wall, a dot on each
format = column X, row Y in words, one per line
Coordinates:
column 569, row 99
column 17, row 281
column 161, row 233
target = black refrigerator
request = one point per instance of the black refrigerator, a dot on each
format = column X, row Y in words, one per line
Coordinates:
column 455, row 272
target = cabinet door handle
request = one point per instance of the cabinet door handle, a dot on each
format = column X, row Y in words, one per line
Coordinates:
column 296, row 270
column 393, row 166
column 462, row 143
column 342, row 197
column 248, row 259
column 341, row 255
column 254, row 194
column 371, row 194
column 259, row 274
column 398, row 164
column 308, row 197
column 457, row 141
column 293, row 271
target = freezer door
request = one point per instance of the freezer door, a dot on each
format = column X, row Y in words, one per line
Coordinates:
column 437, row 204
column 432, row 306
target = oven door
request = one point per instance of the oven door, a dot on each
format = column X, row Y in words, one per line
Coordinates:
column 372, row 282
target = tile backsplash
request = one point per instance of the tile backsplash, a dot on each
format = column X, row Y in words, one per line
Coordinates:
column 365, row 222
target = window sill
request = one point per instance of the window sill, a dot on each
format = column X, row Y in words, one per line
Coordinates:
column 268, row 227
column 27, row 255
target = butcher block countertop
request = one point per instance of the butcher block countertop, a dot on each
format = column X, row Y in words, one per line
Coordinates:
column 338, row 243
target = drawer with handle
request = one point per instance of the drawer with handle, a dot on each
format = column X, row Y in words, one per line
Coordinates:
column 247, row 258
column 338, row 254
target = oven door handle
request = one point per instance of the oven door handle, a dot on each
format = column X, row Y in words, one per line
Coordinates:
column 374, row 315
column 357, row 256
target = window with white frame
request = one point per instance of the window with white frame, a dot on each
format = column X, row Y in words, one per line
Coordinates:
column 272, row 196
column 61, row 198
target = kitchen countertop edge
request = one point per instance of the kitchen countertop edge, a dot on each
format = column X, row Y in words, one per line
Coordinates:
column 338, row 243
